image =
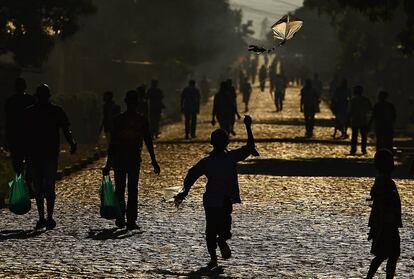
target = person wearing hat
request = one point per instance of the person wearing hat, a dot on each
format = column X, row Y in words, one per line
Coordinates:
column 222, row 189
column 43, row 122
column 130, row 130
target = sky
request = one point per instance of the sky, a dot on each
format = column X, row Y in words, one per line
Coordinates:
column 257, row 10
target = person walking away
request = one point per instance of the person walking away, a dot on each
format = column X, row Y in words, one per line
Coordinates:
column 222, row 109
column 359, row 109
column 318, row 87
column 222, row 189
column 262, row 77
column 14, row 132
column 280, row 89
column 205, row 89
column 308, row 106
column 142, row 101
column 131, row 129
column 156, row 105
column 110, row 110
column 43, row 122
column 383, row 117
column 231, row 91
column 253, row 68
column 272, row 76
column 190, row 106
column 246, row 90
column 340, row 108
column 385, row 218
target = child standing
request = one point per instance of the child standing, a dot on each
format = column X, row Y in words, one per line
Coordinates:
column 385, row 217
column 222, row 189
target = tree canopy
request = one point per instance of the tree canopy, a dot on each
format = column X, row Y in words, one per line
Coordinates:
column 29, row 28
column 375, row 10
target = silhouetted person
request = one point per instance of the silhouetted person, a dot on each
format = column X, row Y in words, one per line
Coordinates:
column 43, row 122
column 359, row 109
column 340, row 108
column 231, row 91
column 142, row 101
column 246, row 90
column 262, row 77
column 205, row 89
column 385, row 217
column 222, row 189
column 252, row 71
column 110, row 110
column 318, row 87
column 190, row 106
column 280, row 89
column 308, row 106
column 156, row 105
column 14, row 108
column 272, row 76
column 131, row 129
column 383, row 117
column 223, row 108
column 241, row 79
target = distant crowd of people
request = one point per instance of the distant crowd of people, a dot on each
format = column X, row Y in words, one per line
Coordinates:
column 356, row 111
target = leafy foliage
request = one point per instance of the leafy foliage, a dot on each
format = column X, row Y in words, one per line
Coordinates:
column 376, row 10
column 28, row 28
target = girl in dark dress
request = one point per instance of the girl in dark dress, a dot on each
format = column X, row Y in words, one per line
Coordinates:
column 385, row 217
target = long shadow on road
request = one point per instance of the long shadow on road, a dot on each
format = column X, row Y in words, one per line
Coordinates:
column 19, row 234
column 341, row 167
column 202, row 272
column 113, row 233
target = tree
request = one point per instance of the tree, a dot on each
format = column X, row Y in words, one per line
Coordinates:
column 179, row 35
column 29, row 28
column 376, row 10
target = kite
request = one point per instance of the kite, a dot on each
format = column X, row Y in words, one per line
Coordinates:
column 283, row 30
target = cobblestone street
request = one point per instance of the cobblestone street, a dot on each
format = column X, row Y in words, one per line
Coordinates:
column 303, row 215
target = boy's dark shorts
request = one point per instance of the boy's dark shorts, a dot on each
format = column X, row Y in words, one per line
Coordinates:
column 218, row 222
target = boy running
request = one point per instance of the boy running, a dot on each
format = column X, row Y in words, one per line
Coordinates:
column 222, row 189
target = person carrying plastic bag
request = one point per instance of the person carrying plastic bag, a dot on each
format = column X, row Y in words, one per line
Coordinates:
column 19, row 198
column 109, row 203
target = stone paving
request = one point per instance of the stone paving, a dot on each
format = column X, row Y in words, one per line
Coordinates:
column 303, row 215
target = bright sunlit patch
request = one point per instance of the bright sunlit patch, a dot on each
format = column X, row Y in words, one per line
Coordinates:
column 11, row 27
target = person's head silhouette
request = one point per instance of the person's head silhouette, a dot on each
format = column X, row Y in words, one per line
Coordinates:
column 219, row 140
column 108, row 96
column 308, row 83
column 192, row 83
column 20, row 85
column 358, row 90
column 131, row 100
column 384, row 161
column 43, row 94
column 382, row 95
